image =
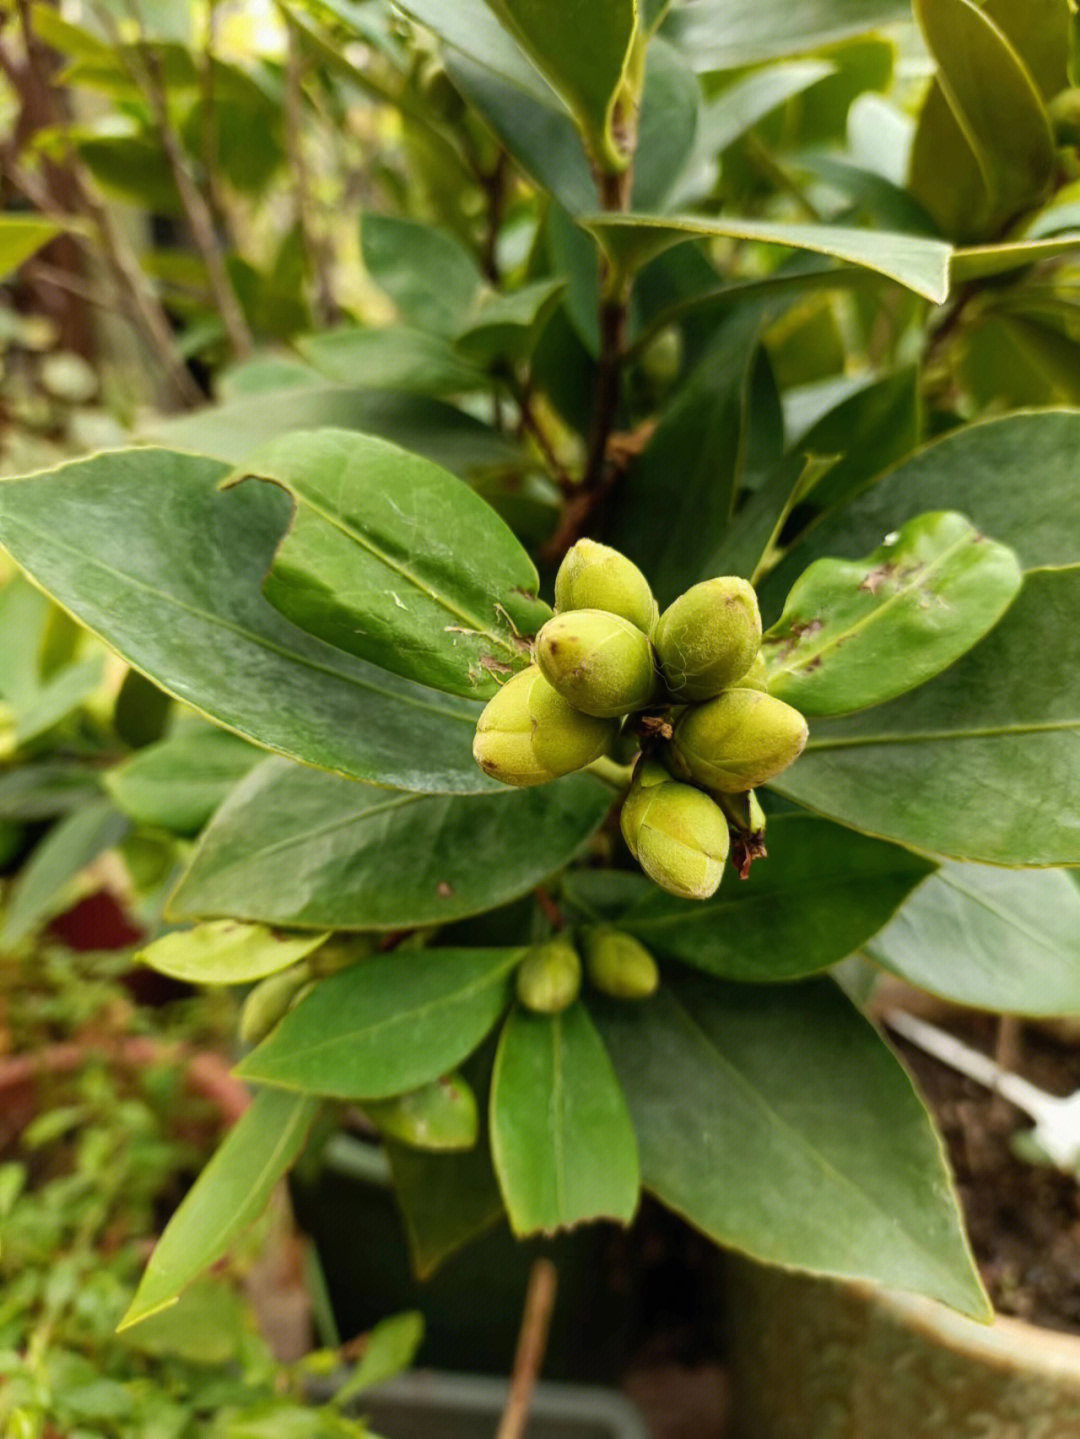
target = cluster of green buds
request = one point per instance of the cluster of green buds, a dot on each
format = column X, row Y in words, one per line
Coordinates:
column 549, row 977
column 687, row 688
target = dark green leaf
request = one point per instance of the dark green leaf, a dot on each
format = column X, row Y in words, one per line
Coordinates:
column 44, row 886
column 856, row 633
column 561, row 1137
column 821, row 893
column 979, row 763
column 446, row 1200
column 226, row 952
column 991, row 938
column 390, row 358
column 743, row 103
column 667, row 126
column 724, row 34
column 776, row 1121
column 388, row 1024
column 229, row 1194
column 997, row 109
column 470, row 27
column 294, row 845
column 583, row 52
column 233, row 431
column 429, row 276
column 177, row 784
column 507, row 325
column 142, row 547
column 918, row 263
column 396, row 561
column 41, row 791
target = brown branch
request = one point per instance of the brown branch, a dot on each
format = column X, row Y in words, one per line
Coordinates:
column 532, row 1342
column 196, row 209
column 141, row 305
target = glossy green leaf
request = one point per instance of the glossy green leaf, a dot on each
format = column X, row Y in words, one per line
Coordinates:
column 294, row 845
column 821, row 893
column 446, row 1200
column 991, row 938
column 536, row 131
column 980, row 262
column 178, row 783
column 914, row 261
column 776, row 1121
column 224, row 951
column 667, row 126
column 392, row 358
column 228, row 1195
column 979, row 763
column 21, row 236
column 389, row 1348
column 986, row 471
column 144, row 550
column 725, row 34
column 429, row 276
column 507, row 325
column 396, row 561
column 444, row 434
column 46, row 789
column 387, row 1025
column 439, row 1116
column 471, row 27
column 561, row 1137
column 996, row 106
column 583, row 51
column 743, row 103
column 856, row 633
column 44, row 886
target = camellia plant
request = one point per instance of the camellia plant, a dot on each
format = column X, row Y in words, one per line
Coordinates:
column 743, row 355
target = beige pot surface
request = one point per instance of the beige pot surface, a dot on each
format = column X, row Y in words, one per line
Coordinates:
column 814, row 1359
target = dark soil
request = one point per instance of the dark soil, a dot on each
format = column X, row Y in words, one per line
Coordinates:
column 1023, row 1218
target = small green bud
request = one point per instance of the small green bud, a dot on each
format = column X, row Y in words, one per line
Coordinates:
column 647, row 775
column 549, row 977
column 441, row 1115
column 708, row 638
column 270, row 1001
column 740, row 739
column 596, row 577
column 678, row 835
column 528, row 734
column 747, row 821
column 662, row 357
column 617, row 964
column 599, row 662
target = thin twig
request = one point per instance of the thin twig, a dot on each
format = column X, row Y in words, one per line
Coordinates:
column 196, row 209
column 532, row 1341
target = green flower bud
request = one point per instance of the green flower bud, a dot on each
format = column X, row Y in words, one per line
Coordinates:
column 757, row 676
column 662, row 357
column 441, row 1115
column 270, row 1001
column 599, row 662
column 549, row 977
column 678, row 835
column 738, row 740
column 528, row 734
column 708, row 638
column 617, row 964
column 746, row 819
column 647, row 775
column 596, row 577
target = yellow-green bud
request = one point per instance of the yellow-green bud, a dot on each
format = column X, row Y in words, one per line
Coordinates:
column 647, row 775
column 596, row 577
column 744, row 812
column 757, row 676
column 708, row 638
column 439, row 1115
column 599, row 662
column 549, row 977
column 740, row 739
column 528, row 734
column 617, row 964
column 270, row 1000
column 678, row 835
